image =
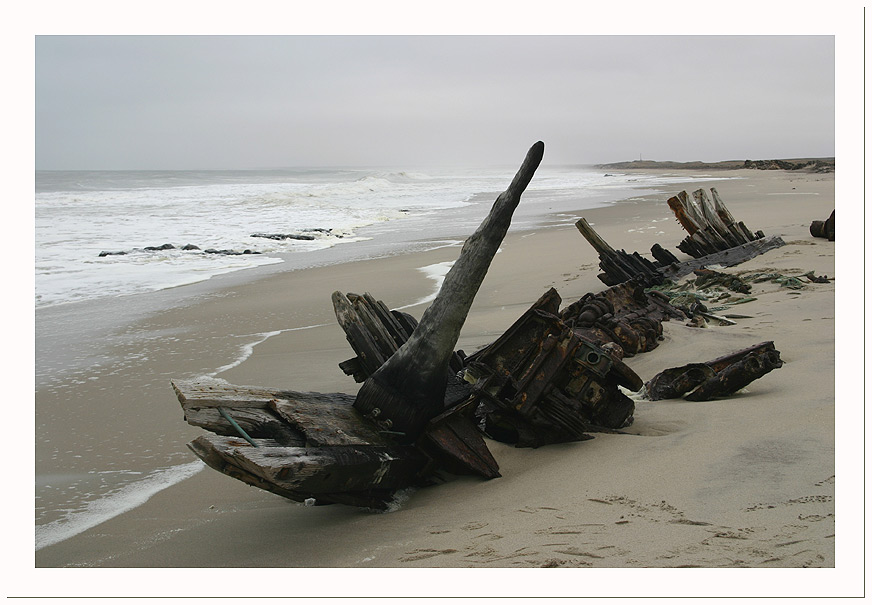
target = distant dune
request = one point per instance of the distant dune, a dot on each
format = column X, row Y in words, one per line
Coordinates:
column 810, row 164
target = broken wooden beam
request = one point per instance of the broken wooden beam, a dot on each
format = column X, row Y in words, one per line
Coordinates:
column 359, row 475
column 409, row 388
column 664, row 257
column 725, row 258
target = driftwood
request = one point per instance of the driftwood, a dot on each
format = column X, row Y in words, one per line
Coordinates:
column 825, row 228
column 716, row 378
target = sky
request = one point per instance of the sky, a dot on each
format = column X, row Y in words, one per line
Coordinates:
column 242, row 102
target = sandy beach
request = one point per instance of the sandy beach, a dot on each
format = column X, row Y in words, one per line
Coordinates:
column 743, row 482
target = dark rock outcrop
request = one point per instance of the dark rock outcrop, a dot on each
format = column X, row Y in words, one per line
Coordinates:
column 186, row 247
column 303, row 236
column 283, row 236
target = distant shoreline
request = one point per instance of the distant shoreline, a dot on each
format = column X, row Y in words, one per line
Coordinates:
column 808, row 164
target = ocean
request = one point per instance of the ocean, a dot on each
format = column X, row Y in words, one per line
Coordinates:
column 110, row 248
column 121, row 214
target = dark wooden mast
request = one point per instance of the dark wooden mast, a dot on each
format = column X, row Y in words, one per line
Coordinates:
column 409, row 388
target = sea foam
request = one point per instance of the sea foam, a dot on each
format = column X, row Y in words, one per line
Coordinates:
column 113, row 504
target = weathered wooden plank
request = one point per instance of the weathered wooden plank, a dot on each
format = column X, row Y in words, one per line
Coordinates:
column 686, row 212
column 593, row 238
column 353, row 367
column 725, row 258
column 204, row 450
column 289, row 417
column 721, row 208
column 374, row 325
column 328, row 423
column 377, row 326
column 256, row 422
column 709, row 225
column 618, row 266
column 364, row 345
column 208, row 392
column 727, row 218
column 747, row 232
column 313, row 472
column 390, row 321
column 713, row 219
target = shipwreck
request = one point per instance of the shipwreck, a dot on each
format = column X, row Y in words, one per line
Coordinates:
column 424, row 409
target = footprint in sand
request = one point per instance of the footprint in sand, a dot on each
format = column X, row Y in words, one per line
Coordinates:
column 577, row 552
column 425, row 553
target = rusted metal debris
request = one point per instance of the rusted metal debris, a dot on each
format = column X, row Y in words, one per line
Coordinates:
column 424, row 409
column 544, row 382
column 716, row 378
column 552, row 376
column 825, row 228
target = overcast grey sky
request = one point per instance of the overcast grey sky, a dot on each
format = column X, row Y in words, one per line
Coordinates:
column 206, row 102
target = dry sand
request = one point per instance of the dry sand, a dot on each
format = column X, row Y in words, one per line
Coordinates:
column 747, row 481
